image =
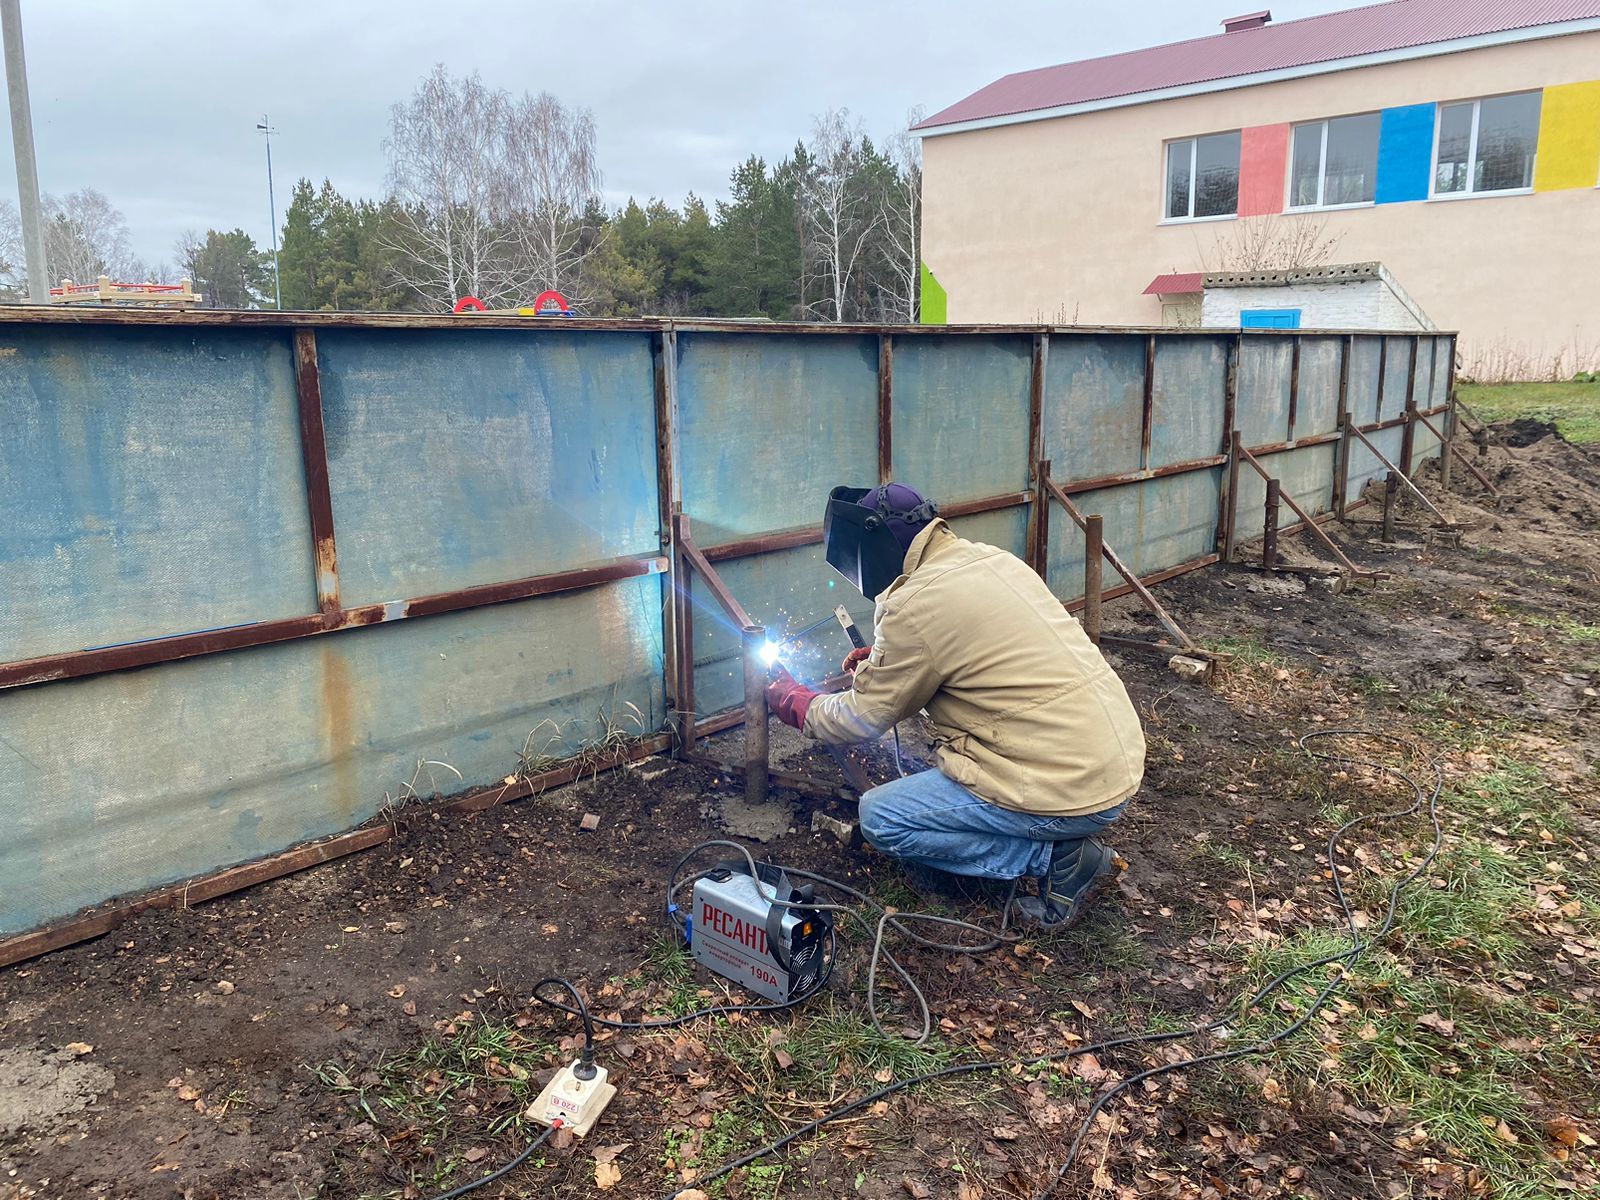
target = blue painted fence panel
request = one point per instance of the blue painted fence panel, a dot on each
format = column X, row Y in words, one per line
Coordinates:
column 150, row 485
column 1262, row 408
column 769, row 425
column 465, row 457
column 961, row 414
column 1093, row 405
column 1187, row 400
column 1317, row 410
column 122, row 782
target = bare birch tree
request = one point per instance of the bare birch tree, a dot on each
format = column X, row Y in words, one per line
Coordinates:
column 899, row 200
column 492, row 192
column 86, row 237
column 1272, row 243
column 554, row 181
column 839, row 215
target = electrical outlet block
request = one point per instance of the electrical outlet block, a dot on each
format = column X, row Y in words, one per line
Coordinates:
column 572, row 1099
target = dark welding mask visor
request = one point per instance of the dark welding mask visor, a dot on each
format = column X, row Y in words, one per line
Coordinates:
column 859, row 544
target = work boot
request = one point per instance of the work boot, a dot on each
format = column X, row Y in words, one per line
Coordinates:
column 1080, row 872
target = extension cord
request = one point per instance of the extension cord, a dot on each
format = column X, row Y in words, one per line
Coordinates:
column 572, row 1102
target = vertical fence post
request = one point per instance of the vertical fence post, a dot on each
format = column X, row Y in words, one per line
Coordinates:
column 314, row 454
column 667, row 505
column 683, row 596
column 1093, row 564
column 1038, row 536
column 1039, row 521
column 1231, row 509
column 1391, row 490
column 756, row 749
column 885, row 407
column 1341, row 465
column 1230, row 384
column 1408, row 436
column 1294, row 386
column 1148, row 414
column 1449, row 422
column 1269, row 539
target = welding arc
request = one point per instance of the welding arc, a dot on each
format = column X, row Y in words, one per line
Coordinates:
column 1422, row 797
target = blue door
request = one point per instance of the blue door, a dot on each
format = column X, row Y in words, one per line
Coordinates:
column 1270, row 318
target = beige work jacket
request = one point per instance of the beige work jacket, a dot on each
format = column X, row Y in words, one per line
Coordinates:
column 1026, row 712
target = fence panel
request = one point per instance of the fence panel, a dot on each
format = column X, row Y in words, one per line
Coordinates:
column 149, row 486
column 154, row 483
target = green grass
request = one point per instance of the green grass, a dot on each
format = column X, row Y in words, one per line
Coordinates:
column 422, row 1096
column 1574, row 408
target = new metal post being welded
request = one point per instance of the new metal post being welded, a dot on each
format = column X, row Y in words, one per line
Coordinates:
column 1094, row 556
column 756, row 749
column 1391, row 492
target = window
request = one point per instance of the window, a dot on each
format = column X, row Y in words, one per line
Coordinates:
column 1203, row 177
column 1335, row 162
column 1486, row 145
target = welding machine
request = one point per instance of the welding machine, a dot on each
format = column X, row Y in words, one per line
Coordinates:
column 735, row 928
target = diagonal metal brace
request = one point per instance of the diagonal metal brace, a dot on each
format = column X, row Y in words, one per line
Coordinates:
column 1121, row 568
column 1450, row 446
column 1402, row 476
column 1306, row 518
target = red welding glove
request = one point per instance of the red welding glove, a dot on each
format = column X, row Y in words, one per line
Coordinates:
column 789, row 699
column 854, row 658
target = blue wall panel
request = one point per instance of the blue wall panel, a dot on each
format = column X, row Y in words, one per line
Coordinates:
column 1093, row 405
column 475, row 456
column 1318, row 408
column 1405, row 153
column 961, row 414
column 769, row 425
column 121, row 782
column 150, row 485
column 1262, row 407
column 1187, row 400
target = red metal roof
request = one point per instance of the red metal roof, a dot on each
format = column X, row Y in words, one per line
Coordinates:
column 1176, row 285
column 1396, row 25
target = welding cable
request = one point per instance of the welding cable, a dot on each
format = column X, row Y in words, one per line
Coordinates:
column 511, row 1166
column 1345, row 958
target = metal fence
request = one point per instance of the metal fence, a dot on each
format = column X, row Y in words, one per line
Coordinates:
column 263, row 575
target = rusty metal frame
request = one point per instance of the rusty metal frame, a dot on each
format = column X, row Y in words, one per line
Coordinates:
column 1402, row 475
column 1131, row 579
column 1449, row 445
column 1307, row 520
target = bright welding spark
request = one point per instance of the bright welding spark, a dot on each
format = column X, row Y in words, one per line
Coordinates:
column 769, row 653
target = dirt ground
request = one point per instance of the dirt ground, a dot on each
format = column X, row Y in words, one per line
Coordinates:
column 364, row 1029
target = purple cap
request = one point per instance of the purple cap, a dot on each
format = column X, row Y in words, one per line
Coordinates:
column 903, row 502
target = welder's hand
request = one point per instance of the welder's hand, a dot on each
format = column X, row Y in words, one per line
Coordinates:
column 788, row 699
column 854, row 659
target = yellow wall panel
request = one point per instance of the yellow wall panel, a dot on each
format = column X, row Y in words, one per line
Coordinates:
column 1569, row 137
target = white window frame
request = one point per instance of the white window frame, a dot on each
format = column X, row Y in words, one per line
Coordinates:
column 1469, row 192
column 1194, row 162
column 1322, row 169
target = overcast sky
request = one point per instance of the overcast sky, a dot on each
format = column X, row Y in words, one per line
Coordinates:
column 154, row 103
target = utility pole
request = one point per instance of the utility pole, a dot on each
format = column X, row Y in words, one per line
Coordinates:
column 22, row 145
column 264, row 127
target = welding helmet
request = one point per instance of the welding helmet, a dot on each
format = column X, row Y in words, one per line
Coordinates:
column 867, row 531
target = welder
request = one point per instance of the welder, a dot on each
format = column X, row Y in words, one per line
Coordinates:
column 1039, row 748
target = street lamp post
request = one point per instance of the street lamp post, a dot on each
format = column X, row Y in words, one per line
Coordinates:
column 265, row 128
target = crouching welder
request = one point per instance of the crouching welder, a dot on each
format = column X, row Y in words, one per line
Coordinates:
column 1039, row 747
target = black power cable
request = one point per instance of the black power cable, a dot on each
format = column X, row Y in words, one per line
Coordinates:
column 1420, row 796
column 511, row 1166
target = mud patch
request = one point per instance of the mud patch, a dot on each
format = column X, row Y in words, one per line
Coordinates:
column 38, row 1089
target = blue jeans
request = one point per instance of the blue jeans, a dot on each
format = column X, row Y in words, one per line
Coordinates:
column 930, row 819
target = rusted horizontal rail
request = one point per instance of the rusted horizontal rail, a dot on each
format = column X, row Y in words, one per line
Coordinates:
column 73, row 664
column 101, row 921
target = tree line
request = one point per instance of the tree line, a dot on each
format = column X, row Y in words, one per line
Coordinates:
column 499, row 197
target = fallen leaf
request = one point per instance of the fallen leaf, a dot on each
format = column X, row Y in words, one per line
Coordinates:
column 970, row 1191
column 78, row 1049
column 1562, row 1129
column 224, row 986
column 605, row 1154
column 606, row 1175
column 1083, row 1008
column 409, row 1008
column 1441, row 1025
column 915, row 1189
column 398, row 990
column 476, row 1154
column 785, row 1059
column 188, row 1093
